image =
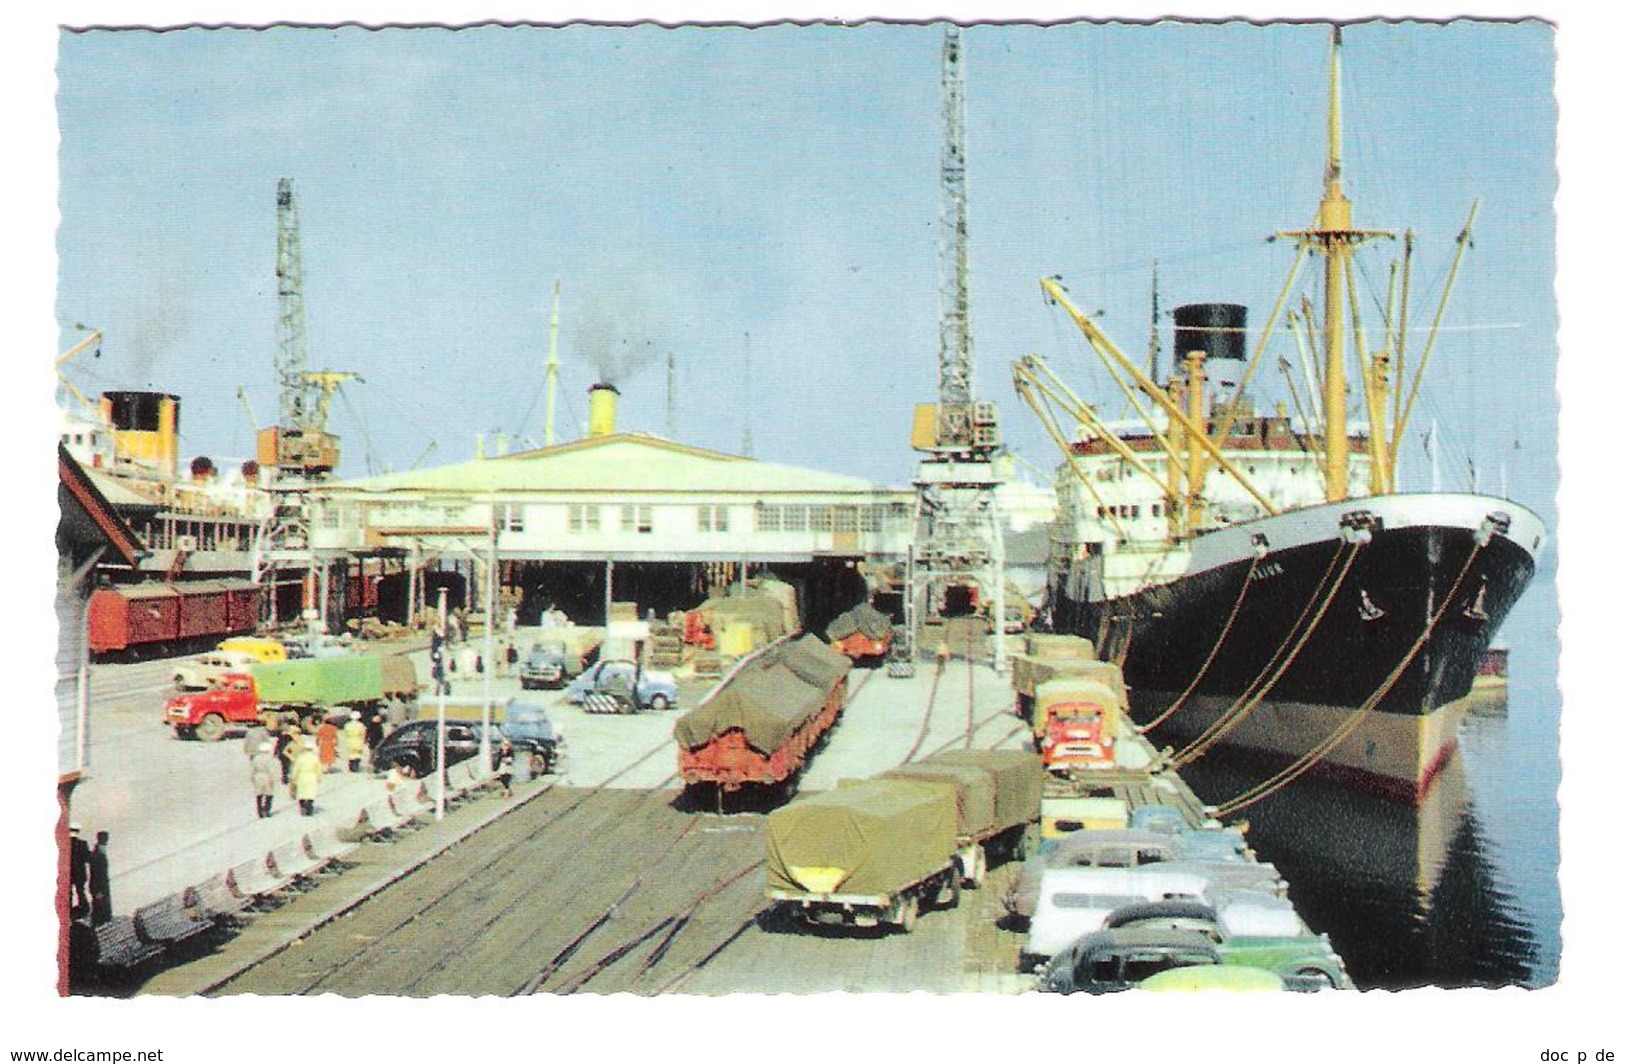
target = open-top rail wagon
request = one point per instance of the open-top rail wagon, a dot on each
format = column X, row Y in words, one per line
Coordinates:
column 759, row 726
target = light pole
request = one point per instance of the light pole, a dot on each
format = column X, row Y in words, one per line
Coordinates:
column 490, row 634
column 440, row 727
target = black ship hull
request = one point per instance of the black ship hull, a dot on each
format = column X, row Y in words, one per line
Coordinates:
column 1282, row 630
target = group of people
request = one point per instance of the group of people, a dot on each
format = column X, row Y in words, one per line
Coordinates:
column 89, row 892
column 298, row 761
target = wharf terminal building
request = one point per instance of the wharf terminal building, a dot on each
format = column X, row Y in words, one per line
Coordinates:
column 615, row 516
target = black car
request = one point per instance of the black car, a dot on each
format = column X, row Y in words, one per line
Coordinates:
column 530, row 731
column 546, row 665
column 414, row 744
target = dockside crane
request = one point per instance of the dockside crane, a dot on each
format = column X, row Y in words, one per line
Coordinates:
column 958, row 530
column 298, row 447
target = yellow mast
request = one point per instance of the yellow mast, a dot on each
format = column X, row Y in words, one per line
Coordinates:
column 1332, row 224
column 1196, row 379
column 1335, row 237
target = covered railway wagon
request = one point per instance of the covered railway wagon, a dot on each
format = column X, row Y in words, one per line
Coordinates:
column 758, row 726
column 162, row 616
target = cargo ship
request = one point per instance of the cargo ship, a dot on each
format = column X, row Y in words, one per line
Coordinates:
column 1258, row 574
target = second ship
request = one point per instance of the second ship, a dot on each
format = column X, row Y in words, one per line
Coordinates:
column 1259, row 576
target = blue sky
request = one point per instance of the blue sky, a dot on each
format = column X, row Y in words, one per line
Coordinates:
column 690, row 187
column 708, row 191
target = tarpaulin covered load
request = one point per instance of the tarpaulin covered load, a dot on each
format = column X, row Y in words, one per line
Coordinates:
column 1018, row 780
column 767, row 702
column 1026, row 674
column 868, row 839
column 761, row 610
column 353, row 678
column 1043, row 645
column 860, row 618
column 812, row 660
column 1078, row 691
column 972, row 785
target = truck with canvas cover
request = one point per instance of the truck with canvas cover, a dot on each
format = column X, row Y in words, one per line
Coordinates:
column 300, row 690
column 1028, row 673
column 758, row 725
column 865, row 855
column 1018, row 791
column 862, row 633
column 972, row 789
column 1075, row 721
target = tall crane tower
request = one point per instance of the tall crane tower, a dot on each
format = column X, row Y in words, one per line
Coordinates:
column 299, row 449
column 958, row 530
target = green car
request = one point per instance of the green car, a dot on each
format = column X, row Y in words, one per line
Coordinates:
column 1119, row 959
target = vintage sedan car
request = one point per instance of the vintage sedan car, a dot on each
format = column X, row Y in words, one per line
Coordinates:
column 642, row 689
column 1120, row 958
column 204, row 671
column 414, row 745
column 1103, row 962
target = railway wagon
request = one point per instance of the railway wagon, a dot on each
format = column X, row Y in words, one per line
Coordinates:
column 759, row 726
column 862, row 633
column 161, row 616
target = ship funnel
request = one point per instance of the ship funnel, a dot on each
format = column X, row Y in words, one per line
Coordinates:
column 146, row 427
column 601, row 399
column 1219, row 329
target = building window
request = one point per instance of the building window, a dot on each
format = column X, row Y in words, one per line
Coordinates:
column 821, row 518
column 639, row 519
column 846, row 519
column 769, row 518
column 713, row 518
column 583, row 518
column 511, row 518
column 795, row 519
column 871, row 517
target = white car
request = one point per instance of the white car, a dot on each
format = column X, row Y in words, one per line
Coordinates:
column 202, row 671
column 1075, row 901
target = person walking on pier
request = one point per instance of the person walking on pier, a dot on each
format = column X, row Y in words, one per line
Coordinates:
column 355, row 740
column 327, row 745
column 287, row 747
column 262, row 775
column 101, row 897
column 504, row 767
column 306, row 778
column 375, row 729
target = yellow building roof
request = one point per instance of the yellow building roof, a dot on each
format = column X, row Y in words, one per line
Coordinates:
column 622, row 463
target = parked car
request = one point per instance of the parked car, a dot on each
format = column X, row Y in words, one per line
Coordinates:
column 413, row 745
column 1106, row 961
column 1092, row 849
column 622, row 679
column 530, row 731
column 1119, row 958
column 206, row 670
column 546, row 665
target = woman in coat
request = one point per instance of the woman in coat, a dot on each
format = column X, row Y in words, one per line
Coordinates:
column 306, row 778
column 262, row 774
column 355, row 740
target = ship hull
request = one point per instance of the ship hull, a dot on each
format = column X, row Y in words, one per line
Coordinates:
column 1378, row 607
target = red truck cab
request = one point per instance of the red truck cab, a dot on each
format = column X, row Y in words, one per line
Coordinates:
column 1075, row 723
column 208, row 713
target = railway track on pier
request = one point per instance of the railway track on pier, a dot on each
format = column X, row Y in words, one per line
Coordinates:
column 589, row 890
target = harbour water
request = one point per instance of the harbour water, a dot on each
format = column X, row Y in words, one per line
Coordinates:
column 1462, row 891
